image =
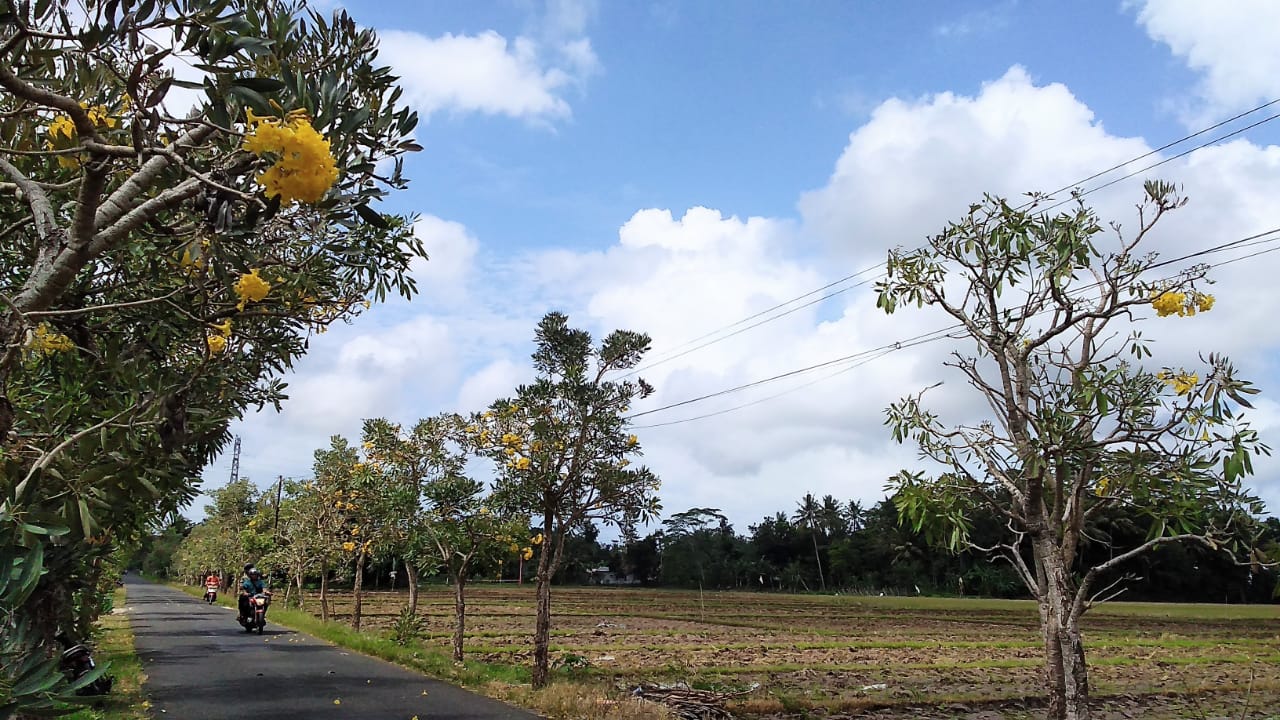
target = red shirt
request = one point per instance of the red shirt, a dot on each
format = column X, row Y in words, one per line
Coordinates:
column 212, row 582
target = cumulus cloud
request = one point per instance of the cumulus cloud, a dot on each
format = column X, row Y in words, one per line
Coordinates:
column 524, row 77
column 1234, row 46
column 914, row 165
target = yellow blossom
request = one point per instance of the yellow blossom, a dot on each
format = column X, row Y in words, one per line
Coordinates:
column 1168, row 303
column 250, row 288
column 1182, row 304
column 523, row 463
column 1182, row 383
column 304, row 167
column 1101, row 489
column 632, row 440
column 515, row 547
column 536, row 446
column 216, row 343
column 223, row 328
column 526, row 553
column 536, row 539
column 47, row 341
column 509, row 451
column 348, row 546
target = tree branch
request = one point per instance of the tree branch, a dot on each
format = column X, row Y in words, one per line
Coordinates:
column 41, row 210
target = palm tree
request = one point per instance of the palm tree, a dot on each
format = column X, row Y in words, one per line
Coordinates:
column 809, row 516
column 833, row 519
column 855, row 515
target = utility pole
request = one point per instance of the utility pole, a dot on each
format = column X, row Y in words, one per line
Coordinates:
column 275, row 529
column 235, row 461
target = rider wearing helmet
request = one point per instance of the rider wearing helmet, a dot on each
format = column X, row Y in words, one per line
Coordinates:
column 250, row 586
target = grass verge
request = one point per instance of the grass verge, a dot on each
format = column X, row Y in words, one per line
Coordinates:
column 115, row 645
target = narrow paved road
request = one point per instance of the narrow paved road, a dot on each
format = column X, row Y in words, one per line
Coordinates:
column 201, row 665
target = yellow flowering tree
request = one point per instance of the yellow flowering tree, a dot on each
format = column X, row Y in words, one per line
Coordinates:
column 563, row 451
column 167, row 247
column 440, row 517
column 1079, row 421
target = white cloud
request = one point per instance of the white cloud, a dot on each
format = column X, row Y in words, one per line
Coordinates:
column 1235, row 46
column 918, row 163
column 526, row 77
column 976, row 22
column 914, row 165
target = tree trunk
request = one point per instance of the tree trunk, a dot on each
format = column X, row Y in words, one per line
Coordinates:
column 411, row 574
column 459, row 613
column 542, row 630
column 356, row 592
column 1066, row 674
column 302, row 596
column 818, row 557
column 324, row 594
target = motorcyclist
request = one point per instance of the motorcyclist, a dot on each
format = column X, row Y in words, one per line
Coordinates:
column 250, row 586
column 211, row 583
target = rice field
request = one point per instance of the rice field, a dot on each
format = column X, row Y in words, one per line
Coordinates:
column 794, row 655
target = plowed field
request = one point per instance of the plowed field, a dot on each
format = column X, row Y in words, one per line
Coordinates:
column 876, row 656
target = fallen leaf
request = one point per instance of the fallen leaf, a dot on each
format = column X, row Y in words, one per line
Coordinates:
column 337, row 701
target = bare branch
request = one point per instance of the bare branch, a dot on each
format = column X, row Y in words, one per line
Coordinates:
column 41, row 210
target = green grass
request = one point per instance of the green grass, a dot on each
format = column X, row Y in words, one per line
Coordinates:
column 115, row 646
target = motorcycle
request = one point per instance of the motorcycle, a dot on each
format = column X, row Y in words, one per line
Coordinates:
column 210, row 595
column 257, row 618
column 76, row 662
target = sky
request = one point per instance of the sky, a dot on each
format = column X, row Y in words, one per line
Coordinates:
column 675, row 167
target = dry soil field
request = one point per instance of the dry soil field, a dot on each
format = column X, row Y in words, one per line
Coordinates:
column 876, row 656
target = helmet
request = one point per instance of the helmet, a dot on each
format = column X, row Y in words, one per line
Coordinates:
column 255, row 573
column 248, row 567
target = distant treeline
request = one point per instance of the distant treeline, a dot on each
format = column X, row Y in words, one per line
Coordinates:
column 829, row 546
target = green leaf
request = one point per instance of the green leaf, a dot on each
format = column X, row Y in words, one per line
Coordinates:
column 372, row 217
column 259, row 84
column 250, row 97
column 86, row 520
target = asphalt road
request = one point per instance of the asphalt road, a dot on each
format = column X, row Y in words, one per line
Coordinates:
column 201, row 665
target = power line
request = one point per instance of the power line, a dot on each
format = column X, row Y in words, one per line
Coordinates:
column 1201, row 146
column 775, row 396
column 898, row 345
column 864, row 356
column 680, row 350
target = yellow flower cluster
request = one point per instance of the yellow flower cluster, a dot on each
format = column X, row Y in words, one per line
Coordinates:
column 527, row 553
column 218, row 341
column 62, row 133
column 304, row 167
column 250, row 288
column 632, row 440
column 1101, row 489
column 1181, row 304
column 47, row 341
column 1182, row 383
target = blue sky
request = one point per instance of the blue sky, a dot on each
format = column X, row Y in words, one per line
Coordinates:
column 674, row 167
column 741, row 110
